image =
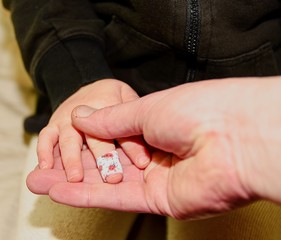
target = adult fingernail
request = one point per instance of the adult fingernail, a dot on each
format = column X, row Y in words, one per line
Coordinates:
column 84, row 111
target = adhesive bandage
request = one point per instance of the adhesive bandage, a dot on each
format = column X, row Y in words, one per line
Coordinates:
column 109, row 164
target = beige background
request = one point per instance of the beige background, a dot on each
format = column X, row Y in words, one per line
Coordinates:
column 16, row 102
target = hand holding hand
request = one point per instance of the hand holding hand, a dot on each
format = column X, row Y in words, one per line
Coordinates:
column 220, row 143
column 70, row 140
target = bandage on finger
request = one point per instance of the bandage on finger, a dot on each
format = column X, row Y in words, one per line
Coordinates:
column 110, row 167
column 107, row 159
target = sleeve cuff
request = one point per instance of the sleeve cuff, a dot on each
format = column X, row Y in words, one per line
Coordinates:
column 68, row 66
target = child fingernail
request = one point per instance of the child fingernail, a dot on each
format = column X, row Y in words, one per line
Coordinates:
column 143, row 161
column 74, row 175
column 84, row 111
column 43, row 165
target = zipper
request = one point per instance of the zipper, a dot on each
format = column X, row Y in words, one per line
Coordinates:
column 191, row 38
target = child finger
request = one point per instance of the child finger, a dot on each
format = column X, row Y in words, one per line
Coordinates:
column 135, row 148
column 47, row 139
column 107, row 159
column 70, row 143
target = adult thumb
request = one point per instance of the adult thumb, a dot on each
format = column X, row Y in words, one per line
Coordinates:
column 112, row 122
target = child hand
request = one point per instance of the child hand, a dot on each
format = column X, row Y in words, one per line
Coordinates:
column 71, row 141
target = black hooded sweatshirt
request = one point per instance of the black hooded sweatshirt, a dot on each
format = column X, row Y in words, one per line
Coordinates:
column 151, row 45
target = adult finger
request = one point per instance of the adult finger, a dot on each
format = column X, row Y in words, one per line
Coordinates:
column 110, row 122
column 40, row 181
column 125, row 196
column 122, row 120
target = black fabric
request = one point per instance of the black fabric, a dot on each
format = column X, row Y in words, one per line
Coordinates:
column 68, row 66
column 151, row 45
column 35, row 123
column 148, row 226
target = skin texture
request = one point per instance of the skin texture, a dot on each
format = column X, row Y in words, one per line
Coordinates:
column 70, row 140
column 216, row 147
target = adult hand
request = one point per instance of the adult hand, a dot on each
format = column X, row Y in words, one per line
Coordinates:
column 220, row 143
